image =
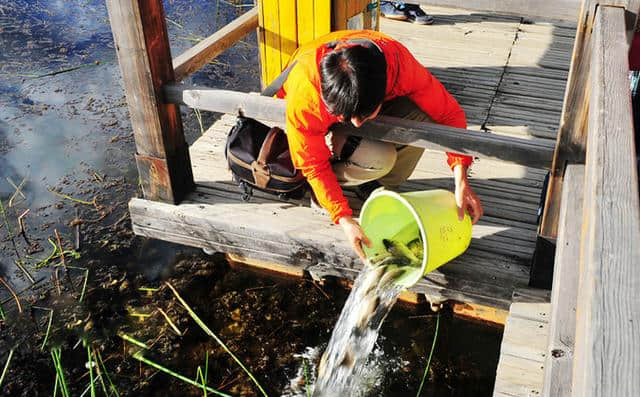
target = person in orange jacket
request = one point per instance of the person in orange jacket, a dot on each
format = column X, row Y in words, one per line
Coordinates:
column 352, row 76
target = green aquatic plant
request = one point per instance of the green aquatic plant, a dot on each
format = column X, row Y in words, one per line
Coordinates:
column 6, row 367
column 56, row 355
column 46, row 335
column 433, row 346
column 105, row 373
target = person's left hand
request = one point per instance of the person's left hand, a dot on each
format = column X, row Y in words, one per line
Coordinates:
column 466, row 198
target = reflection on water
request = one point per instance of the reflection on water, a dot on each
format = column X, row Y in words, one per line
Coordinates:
column 64, row 122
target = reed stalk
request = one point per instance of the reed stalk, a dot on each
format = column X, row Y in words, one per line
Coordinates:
column 138, row 356
column 433, row 346
column 6, row 220
column 46, row 335
column 6, row 367
column 56, row 355
column 92, row 384
column 104, row 370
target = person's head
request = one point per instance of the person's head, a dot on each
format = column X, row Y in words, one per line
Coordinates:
column 353, row 81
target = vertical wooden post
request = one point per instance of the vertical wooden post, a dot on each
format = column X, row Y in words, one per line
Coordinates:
column 142, row 45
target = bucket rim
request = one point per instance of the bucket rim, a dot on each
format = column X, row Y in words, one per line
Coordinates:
column 416, row 217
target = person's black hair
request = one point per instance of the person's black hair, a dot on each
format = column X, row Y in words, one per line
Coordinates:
column 353, row 80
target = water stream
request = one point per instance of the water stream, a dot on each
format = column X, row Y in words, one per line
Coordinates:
column 356, row 331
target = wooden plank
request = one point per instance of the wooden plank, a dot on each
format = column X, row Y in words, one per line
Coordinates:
column 533, row 153
column 271, row 19
column 607, row 345
column 518, row 377
column 481, row 312
column 521, row 366
column 262, row 45
column 570, row 141
column 288, row 30
column 564, row 293
column 558, row 9
column 306, row 21
column 250, row 229
column 142, row 45
column 202, row 53
column 322, row 17
column 339, row 11
column 527, row 331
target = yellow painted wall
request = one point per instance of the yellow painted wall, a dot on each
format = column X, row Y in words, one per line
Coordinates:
column 284, row 25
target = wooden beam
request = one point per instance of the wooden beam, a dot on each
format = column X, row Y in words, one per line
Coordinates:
column 528, row 152
column 202, row 53
column 555, row 9
column 607, row 345
column 570, row 140
column 142, row 45
column 564, row 295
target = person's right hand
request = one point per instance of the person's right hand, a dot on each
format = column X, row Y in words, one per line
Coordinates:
column 355, row 235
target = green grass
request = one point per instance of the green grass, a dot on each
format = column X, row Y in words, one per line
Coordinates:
column 105, row 373
column 46, row 335
column 6, row 367
column 138, row 356
column 92, row 384
column 433, row 346
column 56, row 355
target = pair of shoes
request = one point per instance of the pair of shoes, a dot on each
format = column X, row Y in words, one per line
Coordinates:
column 401, row 11
column 364, row 190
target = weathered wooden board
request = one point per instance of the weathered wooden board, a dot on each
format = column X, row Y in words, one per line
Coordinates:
column 565, row 287
column 203, row 52
column 558, row 9
column 385, row 128
column 522, row 353
column 142, row 45
column 607, row 344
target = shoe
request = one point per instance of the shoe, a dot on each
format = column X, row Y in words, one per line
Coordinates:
column 416, row 15
column 393, row 10
column 364, row 190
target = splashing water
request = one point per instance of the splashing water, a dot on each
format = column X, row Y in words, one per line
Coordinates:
column 343, row 363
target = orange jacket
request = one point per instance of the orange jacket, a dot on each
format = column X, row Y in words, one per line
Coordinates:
column 308, row 119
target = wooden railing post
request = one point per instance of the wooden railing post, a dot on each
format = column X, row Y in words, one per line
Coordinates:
column 142, row 45
column 607, row 340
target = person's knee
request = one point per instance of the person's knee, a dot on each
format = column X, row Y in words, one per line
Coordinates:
column 375, row 155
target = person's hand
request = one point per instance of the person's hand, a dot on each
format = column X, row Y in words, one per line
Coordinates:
column 466, row 198
column 355, row 235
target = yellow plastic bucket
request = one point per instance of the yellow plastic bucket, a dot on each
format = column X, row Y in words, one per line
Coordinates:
column 431, row 215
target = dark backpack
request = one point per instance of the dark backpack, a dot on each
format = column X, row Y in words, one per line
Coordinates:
column 258, row 155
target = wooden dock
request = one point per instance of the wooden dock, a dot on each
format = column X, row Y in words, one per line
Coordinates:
column 523, row 351
column 509, row 73
column 483, row 79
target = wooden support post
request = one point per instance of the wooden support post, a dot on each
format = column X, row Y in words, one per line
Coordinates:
column 607, row 344
column 570, row 141
column 142, row 45
column 559, row 356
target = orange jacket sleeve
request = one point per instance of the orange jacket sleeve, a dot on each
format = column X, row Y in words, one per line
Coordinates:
column 306, row 130
column 416, row 82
